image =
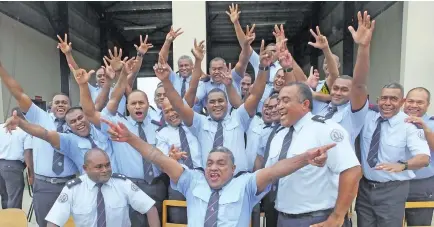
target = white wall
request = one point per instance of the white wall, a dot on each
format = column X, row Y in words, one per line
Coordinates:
column 148, row 85
column 385, row 50
column 33, row 60
column 417, row 47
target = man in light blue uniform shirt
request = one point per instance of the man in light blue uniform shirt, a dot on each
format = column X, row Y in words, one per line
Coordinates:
column 422, row 186
column 215, row 197
column 140, row 171
column 74, row 144
column 391, row 149
column 176, row 136
column 100, row 198
column 15, row 153
column 52, row 169
column 219, row 128
column 157, row 114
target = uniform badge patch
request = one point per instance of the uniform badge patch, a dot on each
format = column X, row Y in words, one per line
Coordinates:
column 337, row 135
column 421, row 134
column 134, row 187
column 62, row 198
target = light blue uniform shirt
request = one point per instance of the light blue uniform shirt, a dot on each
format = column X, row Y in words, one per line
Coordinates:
column 255, row 60
column 155, row 114
column 257, row 130
column 266, row 131
column 351, row 121
column 237, row 198
column 427, row 171
column 80, row 202
column 312, row 188
column 267, row 93
column 12, row 145
column 177, row 81
column 42, row 150
column 234, row 126
column 75, row 147
column 399, row 141
column 169, row 135
column 129, row 160
column 94, row 92
column 205, row 87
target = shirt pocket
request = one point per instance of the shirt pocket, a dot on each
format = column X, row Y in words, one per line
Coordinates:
column 231, row 205
column 394, row 147
column 83, row 214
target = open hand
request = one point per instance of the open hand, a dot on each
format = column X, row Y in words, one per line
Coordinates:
column 250, row 36
column 264, row 57
column 227, row 75
column 320, row 40
column 12, row 122
column 313, row 78
column 363, row 35
column 233, row 13
column 176, row 153
column 80, row 75
column 171, row 36
column 198, row 50
column 162, row 69
column 63, row 45
column 144, row 46
column 115, row 60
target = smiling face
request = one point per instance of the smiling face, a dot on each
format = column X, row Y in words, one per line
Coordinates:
column 340, row 92
column 138, row 105
column 216, row 70
column 78, row 122
column 159, row 96
column 100, row 77
column 279, row 80
column 246, row 82
column 217, row 105
column 219, row 169
column 185, row 67
column 97, row 166
column 416, row 103
column 170, row 115
column 60, row 105
column 390, row 102
column 291, row 107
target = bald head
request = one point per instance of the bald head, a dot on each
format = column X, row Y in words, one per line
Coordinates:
column 94, row 154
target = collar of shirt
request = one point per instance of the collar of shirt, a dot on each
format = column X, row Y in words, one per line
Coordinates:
column 225, row 119
column 146, row 121
column 396, row 119
column 182, row 78
column 303, row 121
column 340, row 107
column 91, row 184
column 425, row 117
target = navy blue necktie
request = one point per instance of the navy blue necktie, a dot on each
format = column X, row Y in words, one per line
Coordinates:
column 218, row 138
column 147, row 166
column 332, row 110
column 185, row 147
column 267, row 147
column 100, row 208
column 58, row 158
column 184, row 81
column 211, row 215
column 375, row 144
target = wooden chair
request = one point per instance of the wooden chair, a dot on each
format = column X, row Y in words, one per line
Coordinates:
column 30, row 189
column 70, row 222
column 13, row 218
column 173, row 203
column 412, row 205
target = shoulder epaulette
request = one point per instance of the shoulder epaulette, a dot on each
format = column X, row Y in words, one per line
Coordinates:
column 161, row 127
column 73, row 182
column 199, row 168
column 121, row 115
column 157, row 123
column 432, row 118
column 374, row 107
column 119, row 176
column 319, row 118
column 205, row 79
column 240, row 173
column 259, row 114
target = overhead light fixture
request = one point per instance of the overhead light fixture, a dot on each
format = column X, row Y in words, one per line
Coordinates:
column 147, row 27
column 270, row 23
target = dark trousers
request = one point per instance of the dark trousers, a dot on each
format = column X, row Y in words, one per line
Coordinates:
column 158, row 192
column 11, row 183
column 271, row 213
column 44, row 196
column 381, row 204
column 420, row 190
column 176, row 215
column 256, row 216
column 305, row 221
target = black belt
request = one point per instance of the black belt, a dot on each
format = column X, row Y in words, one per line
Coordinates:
column 376, row 184
column 318, row 213
column 142, row 181
column 54, row 180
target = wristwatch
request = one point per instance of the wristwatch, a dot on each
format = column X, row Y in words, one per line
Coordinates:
column 405, row 165
column 288, row 70
column 266, row 68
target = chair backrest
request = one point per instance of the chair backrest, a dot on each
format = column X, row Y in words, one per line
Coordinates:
column 70, row 222
column 13, row 218
column 173, row 203
column 414, row 205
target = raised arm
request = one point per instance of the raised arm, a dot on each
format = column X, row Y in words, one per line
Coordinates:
column 322, row 44
column 102, row 98
column 51, row 137
column 171, row 167
column 285, row 60
column 233, row 96
column 170, row 37
column 142, row 49
column 24, row 101
column 243, row 60
column 362, row 37
column 82, row 78
column 66, row 49
column 198, row 52
column 162, row 71
column 234, row 15
column 314, row 156
column 258, row 86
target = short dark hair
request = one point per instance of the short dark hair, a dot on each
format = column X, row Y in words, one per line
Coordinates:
column 304, row 92
column 61, row 93
column 421, row 89
column 217, row 59
column 72, row 109
column 216, row 90
column 19, row 112
column 346, row 77
column 395, row 85
column 223, row 150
